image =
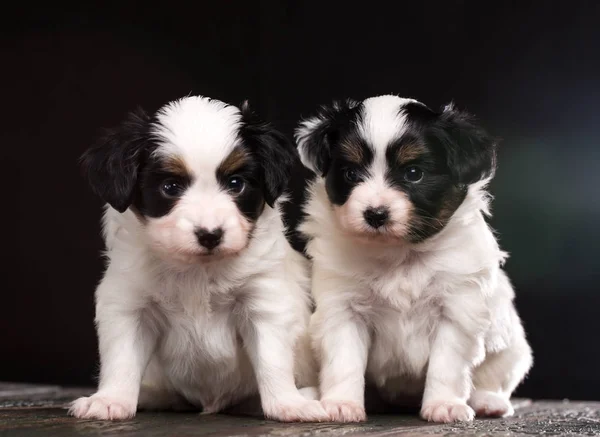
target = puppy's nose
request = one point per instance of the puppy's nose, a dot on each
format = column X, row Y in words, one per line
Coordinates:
column 376, row 217
column 209, row 239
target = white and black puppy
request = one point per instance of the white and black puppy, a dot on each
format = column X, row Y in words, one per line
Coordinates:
column 407, row 275
column 203, row 302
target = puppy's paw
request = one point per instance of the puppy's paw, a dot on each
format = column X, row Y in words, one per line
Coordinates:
column 344, row 411
column 295, row 410
column 103, row 407
column 490, row 404
column 446, row 411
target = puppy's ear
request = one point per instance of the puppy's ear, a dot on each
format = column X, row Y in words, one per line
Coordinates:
column 112, row 164
column 470, row 151
column 276, row 154
column 317, row 135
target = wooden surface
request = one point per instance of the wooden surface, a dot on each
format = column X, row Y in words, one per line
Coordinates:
column 40, row 411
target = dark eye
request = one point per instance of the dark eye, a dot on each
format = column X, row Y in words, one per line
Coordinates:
column 413, row 174
column 351, row 175
column 171, row 188
column 236, row 184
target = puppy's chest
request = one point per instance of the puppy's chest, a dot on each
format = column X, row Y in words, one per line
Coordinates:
column 201, row 346
column 197, row 322
column 403, row 288
column 405, row 307
column 401, row 339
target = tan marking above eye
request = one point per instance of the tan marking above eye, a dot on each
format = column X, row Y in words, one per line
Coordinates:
column 234, row 161
column 410, row 152
column 353, row 152
column 176, row 166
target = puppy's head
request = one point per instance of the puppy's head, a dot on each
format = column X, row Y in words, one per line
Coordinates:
column 197, row 174
column 393, row 168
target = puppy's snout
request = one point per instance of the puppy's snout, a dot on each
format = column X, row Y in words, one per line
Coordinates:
column 209, row 239
column 376, row 217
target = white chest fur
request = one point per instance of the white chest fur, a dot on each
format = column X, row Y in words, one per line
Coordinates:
column 199, row 344
column 399, row 299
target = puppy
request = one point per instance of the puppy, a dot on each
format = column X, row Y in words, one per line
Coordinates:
column 407, row 275
column 203, row 302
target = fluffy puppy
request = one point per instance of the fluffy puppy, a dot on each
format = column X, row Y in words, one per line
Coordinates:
column 203, row 301
column 407, row 275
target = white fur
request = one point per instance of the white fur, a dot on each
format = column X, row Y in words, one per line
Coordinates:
column 434, row 319
column 176, row 327
column 382, row 122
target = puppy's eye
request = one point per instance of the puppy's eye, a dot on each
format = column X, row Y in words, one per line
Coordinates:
column 413, row 174
column 351, row 175
column 236, row 184
column 171, row 188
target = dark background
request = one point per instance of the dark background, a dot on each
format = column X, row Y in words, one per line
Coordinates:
column 530, row 71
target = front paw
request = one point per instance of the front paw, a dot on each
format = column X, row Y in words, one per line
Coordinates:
column 103, row 407
column 446, row 411
column 490, row 404
column 298, row 409
column 344, row 411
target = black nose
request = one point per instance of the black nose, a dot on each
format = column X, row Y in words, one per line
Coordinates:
column 209, row 239
column 376, row 217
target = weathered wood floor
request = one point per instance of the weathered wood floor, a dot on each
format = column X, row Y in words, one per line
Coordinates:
column 40, row 411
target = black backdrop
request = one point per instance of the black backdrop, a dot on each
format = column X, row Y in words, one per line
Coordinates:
column 531, row 73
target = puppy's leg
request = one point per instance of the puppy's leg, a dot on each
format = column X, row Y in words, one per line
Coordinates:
column 497, row 377
column 125, row 347
column 341, row 340
column 449, row 375
column 270, row 333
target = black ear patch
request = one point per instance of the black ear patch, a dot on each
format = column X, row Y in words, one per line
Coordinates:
column 112, row 165
column 316, row 136
column 470, row 151
column 275, row 153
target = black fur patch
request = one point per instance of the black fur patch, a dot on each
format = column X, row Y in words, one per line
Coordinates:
column 453, row 153
column 112, row 165
column 293, row 213
column 334, row 120
column 273, row 152
column 251, row 200
column 150, row 201
column 469, row 150
column 334, row 146
column 429, row 195
column 336, row 183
